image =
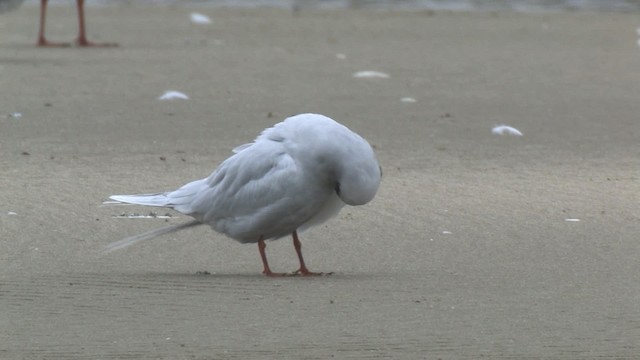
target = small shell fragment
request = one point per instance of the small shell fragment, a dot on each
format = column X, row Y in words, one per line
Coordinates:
column 172, row 95
column 370, row 74
column 506, row 130
column 571, row 220
column 200, row 19
column 408, row 100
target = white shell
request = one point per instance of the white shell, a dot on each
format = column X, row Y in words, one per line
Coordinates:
column 171, row 95
column 370, row 74
column 200, row 19
column 506, row 130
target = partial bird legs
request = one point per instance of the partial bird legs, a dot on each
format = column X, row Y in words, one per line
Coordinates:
column 267, row 271
column 82, row 38
column 303, row 271
column 303, row 268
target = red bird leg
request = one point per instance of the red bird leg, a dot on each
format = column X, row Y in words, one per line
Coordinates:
column 303, row 268
column 82, row 37
column 42, row 41
column 267, row 271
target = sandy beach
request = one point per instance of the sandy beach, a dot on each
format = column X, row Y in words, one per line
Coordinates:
column 477, row 245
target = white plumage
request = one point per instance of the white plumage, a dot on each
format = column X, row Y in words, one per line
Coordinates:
column 296, row 174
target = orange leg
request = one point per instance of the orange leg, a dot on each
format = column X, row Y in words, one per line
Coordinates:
column 303, row 268
column 267, row 271
column 82, row 37
column 42, row 41
column 303, row 271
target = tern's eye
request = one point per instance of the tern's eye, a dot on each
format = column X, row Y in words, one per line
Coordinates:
column 337, row 189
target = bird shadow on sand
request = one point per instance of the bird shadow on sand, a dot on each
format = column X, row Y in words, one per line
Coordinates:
column 206, row 275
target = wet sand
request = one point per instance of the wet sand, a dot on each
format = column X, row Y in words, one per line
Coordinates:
column 465, row 253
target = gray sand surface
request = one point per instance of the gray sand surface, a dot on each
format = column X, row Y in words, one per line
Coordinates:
column 464, row 254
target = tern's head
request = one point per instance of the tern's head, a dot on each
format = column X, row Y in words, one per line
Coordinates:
column 358, row 174
column 347, row 158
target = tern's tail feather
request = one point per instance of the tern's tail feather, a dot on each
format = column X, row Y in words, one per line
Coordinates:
column 159, row 199
column 121, row 244
column 179, row 200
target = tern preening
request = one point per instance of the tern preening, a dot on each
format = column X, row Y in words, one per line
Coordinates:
column 296, row 174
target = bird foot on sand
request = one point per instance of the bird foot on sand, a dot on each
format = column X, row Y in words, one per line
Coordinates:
column 296, row 273
column 305, row 272
column 86, row 43
column 76, row 43
column 47, row 43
